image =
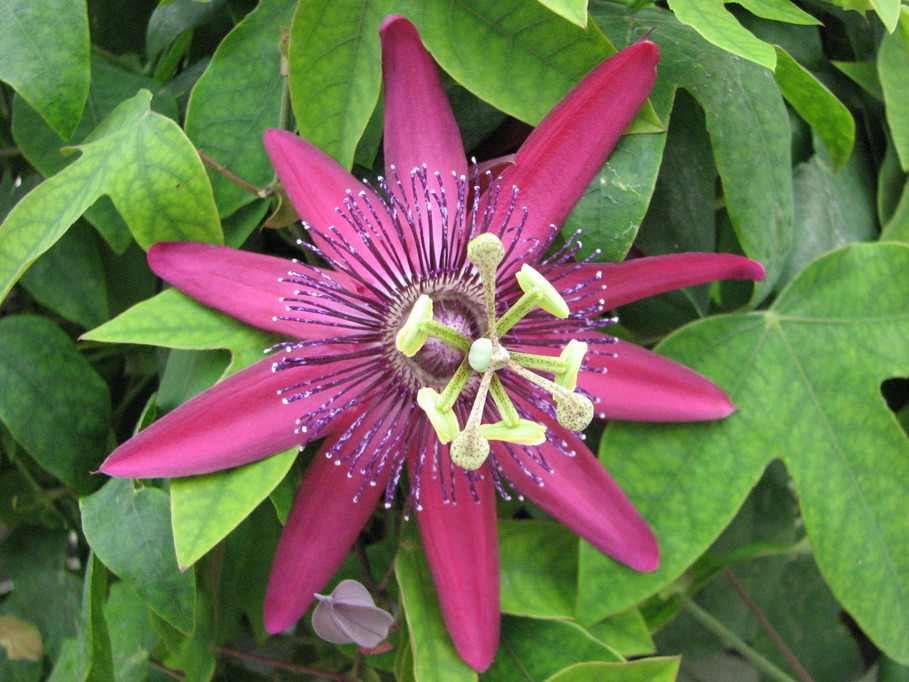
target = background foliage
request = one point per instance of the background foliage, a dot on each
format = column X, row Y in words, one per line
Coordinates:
column 777, row 128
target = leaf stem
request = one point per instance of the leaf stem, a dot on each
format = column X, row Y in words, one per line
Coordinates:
column 341, row 677
column 768, row 628
column 262, row 193
column 731, row 639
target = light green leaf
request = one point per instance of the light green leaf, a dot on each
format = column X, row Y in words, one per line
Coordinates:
column 174, row 320
column 573, row 10
column 434, row 654
column 130, row 532
column 893, row 70
column 888, row 11
column 713, row 21
column 133, row 637
column 52, row 400
column 538, row 565
column 746, row 119
column 44, row 55
column 805, row 376
column 95, row 661
column 645, row 670
column 237, row 98
column 897, row 227
column 335, row 72
column 144, row 162
column 817, row 105
column 204, row 509
column 626, row 632
column 532, row 649
column 779, row 10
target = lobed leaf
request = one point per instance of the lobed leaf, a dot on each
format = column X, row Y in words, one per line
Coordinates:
column 148, row 167
column 805, row 376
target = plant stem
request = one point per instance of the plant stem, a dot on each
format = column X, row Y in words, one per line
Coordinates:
column 341, row 677
column 731, row 639
column 768, row 628
column 221, row 169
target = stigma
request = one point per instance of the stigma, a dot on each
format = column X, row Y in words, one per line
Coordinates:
column 485, row 356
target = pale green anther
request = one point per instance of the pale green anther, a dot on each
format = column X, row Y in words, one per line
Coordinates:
column 551, row 300
column 572, row 355
column 573, row 411
column 410, row 337
column 469, row 449
column 443, row 421
column 480, row 354
column 486, row 250
column 525, row 432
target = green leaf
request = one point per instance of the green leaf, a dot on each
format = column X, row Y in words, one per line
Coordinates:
column 888, row 11
column 746, row 119
column 69, row 278
column 130, row 532
column 44, row 55
column 865, row 74
column 834, row 209
column 538, row 565
column 645, row 670
column 52, row 401
column 533, row 649
column 204, row 509
column 148, row 167
column 626, row 632
column 237, row 98
column 779, row 10
column 893, row 70
column 518, row 56
column 897, row 227
column 95, row 661
column 335, row 72
column 171, row 20
column 174, row 320
column 713, row 21
column 573, row 10
column 805, row 376
column 133, row 637
column 822, row 110
column 434, row 654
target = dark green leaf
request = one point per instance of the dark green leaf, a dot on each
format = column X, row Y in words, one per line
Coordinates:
column 533, row 650
column 133, row 636
column 172, row 19
column 130, row 532
column 52, row 400
column 69, row 278
column 805, row 376
column 46, row 63
column 747, row 122
column 95, row 661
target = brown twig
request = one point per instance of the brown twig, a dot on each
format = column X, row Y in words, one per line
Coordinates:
column 221, row 169
column 768, row 628
column 341, row 677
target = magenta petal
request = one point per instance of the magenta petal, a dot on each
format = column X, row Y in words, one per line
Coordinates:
column 419, row 126
column 583, row 496
column 461, row 545
column 322, row 526
column 317, row 185
column 640, row 385
column 615, row 284
column 557, row 162
column 246, row 285
column 237, row 421
column 420, row 129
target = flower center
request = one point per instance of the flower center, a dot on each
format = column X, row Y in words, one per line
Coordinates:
column 449, row 340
